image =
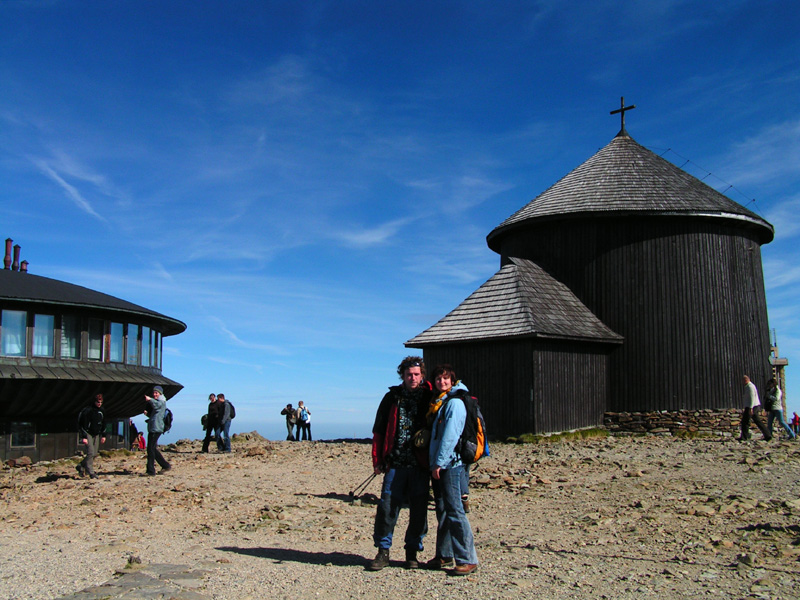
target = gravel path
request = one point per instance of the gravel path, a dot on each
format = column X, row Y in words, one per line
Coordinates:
column 607, row 518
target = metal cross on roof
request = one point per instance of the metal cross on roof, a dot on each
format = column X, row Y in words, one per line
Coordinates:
column 622, row 108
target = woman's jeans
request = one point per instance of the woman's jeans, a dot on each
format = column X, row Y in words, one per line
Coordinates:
column 454, row 533
column 778, row 414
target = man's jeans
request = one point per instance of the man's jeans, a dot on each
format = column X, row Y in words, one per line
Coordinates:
column 403, row 486
column 454, row 534
column 224, row 439
column 778, row 414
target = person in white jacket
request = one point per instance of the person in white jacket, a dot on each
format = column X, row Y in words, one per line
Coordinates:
column 774, row 408
column 751, row 407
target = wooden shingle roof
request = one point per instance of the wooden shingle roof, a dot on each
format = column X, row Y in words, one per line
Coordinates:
column 520, row 300
column 626, row 179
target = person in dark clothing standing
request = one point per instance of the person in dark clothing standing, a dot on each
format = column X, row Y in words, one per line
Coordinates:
column 291, row 419
column 212, row 422
column 303, row 417
column 92, row 425
column 406, row 482
column 133, row 433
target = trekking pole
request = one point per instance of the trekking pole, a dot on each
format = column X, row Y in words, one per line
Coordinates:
column 363, row 485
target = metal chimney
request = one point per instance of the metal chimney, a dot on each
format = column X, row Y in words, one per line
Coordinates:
column 15, row 264
column 7, row 259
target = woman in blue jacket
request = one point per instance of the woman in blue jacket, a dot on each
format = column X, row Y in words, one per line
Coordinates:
column 454, row 540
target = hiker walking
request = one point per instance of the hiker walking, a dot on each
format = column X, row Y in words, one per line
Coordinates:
column 752, row 406
column 774, row 407
column 92, row 425
column 155, row 411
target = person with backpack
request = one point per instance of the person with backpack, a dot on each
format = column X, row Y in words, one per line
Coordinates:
column 774, row 407
column 303, row 419
column 455, row 544
column 155, row 410
column 226, row 414
column 91, row 425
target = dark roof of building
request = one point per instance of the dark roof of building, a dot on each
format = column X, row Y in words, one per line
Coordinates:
column 520, row 300
column 64, row 387
column 626, row 179
column 25, row 287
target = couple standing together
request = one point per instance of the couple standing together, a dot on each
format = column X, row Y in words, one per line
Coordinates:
column 405, row 410
column 218, row 422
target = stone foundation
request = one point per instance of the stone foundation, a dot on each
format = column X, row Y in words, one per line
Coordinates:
column 721, row 422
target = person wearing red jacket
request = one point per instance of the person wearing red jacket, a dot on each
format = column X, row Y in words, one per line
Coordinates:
column 401, row 413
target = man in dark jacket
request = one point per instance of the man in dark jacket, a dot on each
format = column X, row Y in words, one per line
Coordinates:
column 92, row 425
column 401, row 413
column 226, row 414
column 212, row 422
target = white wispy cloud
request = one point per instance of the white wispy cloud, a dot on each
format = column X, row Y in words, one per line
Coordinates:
column 363, row 237
column 784, row 217
column 71, row 192
column 227, row 361
column 771, row 154
column 779, row 273
column 237, row 341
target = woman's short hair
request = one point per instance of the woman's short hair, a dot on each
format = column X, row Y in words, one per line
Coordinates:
column 444, row 369
column 411, row 361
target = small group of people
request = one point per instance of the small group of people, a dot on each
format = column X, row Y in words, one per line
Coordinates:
column 772, row 404
column 299, row 418
column 415, row 436
column 137, row 437
column 92, row 426
column 217, row 422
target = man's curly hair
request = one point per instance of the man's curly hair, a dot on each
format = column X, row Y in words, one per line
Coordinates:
column 411, row 361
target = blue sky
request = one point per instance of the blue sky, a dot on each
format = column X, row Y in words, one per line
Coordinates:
column 308, row 185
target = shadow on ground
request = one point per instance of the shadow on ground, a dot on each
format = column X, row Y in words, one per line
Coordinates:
column 338, row 559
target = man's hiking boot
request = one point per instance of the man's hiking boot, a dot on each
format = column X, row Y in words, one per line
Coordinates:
column 437, row 562
column 411, row 560
column 79, row 469
column 381, row 560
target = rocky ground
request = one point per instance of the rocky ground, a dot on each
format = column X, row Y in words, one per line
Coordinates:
column 618, row 518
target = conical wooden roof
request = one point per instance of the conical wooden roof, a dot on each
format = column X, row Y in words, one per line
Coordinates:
column 626, row 179
column 520, row 300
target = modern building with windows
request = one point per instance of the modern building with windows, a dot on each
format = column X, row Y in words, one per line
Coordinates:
column 60, row 344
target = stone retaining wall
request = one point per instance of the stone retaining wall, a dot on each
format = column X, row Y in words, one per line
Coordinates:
column 722, row 422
